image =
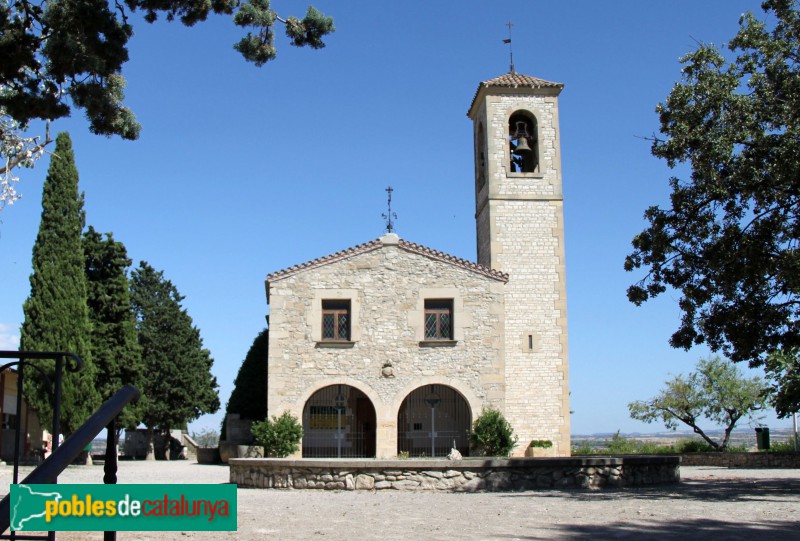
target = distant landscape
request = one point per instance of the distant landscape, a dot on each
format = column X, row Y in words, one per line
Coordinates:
column 740, row 437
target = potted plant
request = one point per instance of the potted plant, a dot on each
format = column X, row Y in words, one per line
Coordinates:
column 539, row 448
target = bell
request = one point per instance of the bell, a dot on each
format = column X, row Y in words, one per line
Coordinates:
column 521, row 135
column 522, row 146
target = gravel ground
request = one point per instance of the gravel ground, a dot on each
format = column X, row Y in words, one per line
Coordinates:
column 709, row 503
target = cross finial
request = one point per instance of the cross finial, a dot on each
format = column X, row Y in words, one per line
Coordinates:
column 509, row 24
column 389, row 216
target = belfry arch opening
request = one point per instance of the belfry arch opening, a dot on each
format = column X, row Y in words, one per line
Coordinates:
column 339, row 422
column 523, row 142
column 432, row 420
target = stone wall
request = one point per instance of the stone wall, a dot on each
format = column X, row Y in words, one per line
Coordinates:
column 456, row 476
column 742, row 460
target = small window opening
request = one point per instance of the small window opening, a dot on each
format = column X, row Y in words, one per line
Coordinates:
column 438, row 319
column 336, row 320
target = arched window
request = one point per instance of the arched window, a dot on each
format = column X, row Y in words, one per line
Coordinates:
column 480, row 158
column 523, row 141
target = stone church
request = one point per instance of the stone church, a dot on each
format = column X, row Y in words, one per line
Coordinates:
column 391, row 348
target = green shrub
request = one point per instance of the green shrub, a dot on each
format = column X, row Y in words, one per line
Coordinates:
column 542, row 444
column 280, row 436
column 491, row 434
column 782, row 446
column 582, row 448
column 693, row 446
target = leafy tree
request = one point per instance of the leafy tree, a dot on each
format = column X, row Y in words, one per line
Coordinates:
column 716, row 391
column 728, row 243
column 783, row 371
column 178, row 386
column 491, row 434
column 280, row 436
column 58, row 53
column 56, row 313
column 249, row 396
column 115, row 348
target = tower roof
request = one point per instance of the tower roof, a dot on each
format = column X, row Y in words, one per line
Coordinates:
column 515, row 80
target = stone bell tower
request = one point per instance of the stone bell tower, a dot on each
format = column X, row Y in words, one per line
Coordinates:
column 519, row 215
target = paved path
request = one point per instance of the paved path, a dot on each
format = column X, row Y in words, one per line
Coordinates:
column 710, row 503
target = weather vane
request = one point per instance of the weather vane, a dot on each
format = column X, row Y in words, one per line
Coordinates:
column 390, row 216
column 509, row 24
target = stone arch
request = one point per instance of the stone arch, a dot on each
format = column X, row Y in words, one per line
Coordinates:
column 433, row 419
column 339, row 421
column 523, row 131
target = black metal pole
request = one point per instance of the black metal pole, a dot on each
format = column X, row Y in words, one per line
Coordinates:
column 20, row 375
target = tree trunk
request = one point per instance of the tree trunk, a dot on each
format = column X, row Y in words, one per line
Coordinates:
column 151, row 449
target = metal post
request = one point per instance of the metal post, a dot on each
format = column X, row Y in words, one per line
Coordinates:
column 794, row 424
column 433, row 430
column 20, row 375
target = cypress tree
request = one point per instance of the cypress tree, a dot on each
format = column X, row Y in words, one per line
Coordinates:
column 115, row 348
column 56, row 313
column 179, row 386
column 249, row 396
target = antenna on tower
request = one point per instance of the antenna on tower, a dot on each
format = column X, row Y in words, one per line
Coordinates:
column 509, row 24
column 390, row 216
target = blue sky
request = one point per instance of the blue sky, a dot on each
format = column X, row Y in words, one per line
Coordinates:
column 241, row 171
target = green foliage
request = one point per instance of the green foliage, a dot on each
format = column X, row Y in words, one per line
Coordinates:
column 728, row 242
column 249, row 396
column 492, row 434
column 543, row 444
column 178, row 386
column 783, row 371
column 693, row 446
column 280, row 436
column 207, row 438
column 56, row 314
column 115, row 348
column 582, row 449
column 786, row 446
column 62, row 53
column 716, row 391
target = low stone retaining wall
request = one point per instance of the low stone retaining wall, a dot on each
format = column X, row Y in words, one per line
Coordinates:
column 742, row 460
column 467, row 475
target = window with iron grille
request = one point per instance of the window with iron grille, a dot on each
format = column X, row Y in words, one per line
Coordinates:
column 438, row 319
column 336, row 320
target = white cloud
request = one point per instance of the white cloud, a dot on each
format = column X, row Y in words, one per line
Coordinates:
column 9, row 336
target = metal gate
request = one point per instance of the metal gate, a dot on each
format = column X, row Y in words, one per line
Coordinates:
column 339, row 422
column 432, row 420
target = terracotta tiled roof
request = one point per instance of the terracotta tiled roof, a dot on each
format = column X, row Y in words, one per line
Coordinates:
column 453, row 260
column 379, row 243
column 515, row 80
column 325, row 260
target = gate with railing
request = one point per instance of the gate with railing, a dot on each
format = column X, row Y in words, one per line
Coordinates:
column 339, row 422
column 431, row 421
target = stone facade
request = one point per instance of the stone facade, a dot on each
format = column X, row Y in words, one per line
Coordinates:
column 508, row 347
column 386, row 282
column 456, row 475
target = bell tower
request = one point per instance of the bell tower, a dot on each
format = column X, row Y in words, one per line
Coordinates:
column 519, row 216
